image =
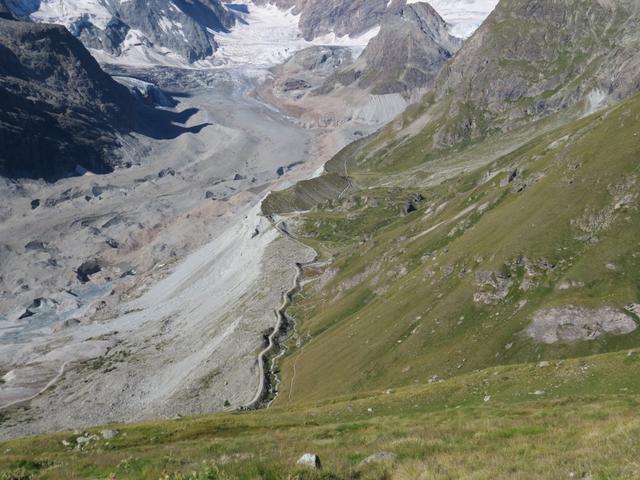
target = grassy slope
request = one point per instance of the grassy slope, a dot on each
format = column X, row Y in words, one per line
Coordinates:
column 306, row 194
column 396, row 305
column 487, row 424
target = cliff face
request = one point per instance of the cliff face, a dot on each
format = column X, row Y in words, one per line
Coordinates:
column 58, row 109
column 408, row 53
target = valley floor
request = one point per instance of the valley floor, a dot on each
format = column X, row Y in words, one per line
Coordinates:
column 190, row 272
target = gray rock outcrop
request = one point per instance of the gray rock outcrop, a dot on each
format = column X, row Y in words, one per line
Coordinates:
column 310, row 460
column 572, row 323
column 380, row 457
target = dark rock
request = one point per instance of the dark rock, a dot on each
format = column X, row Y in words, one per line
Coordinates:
column 117, row 220
column 88, row 268
column 112, row 243
column 237, row 177
column 37, row 304
column 293, row 84
column 282, row 170
column 412, row 203
column 209, row 195
column 67, row 195
column 166, row 171
column 98, row 190
column 35, row 203
column 146, row 179
column 36, row 245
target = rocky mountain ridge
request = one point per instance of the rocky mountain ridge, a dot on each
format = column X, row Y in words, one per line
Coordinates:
column 530, row 59
column 409, row 51
column 162, row 27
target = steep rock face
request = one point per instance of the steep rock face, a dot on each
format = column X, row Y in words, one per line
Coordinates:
column 180, row 26
column 58, row 109
column 533, row 58
column 342, row 17
column 407, row 54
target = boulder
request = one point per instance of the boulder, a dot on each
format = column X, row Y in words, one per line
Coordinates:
column 309, row 460
column 109, row 434
column 112, row 243
column 88, row 268
column 412, row 203
column 380, row 457
column 293, row 84
column 36, row 245
column 166, row 172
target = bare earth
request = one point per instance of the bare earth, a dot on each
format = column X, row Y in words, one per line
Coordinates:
column 190, row 273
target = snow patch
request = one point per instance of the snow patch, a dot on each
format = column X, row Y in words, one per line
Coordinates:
column 596, row 99
column 270, row 36
column 464, row 16
column 66, row 12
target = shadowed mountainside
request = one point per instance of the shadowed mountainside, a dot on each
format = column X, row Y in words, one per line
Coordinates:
column 59, row 109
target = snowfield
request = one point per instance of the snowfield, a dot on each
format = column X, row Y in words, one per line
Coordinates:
column 270, row 36
column 464, row 16
column 265, row 36
column 63, row 12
